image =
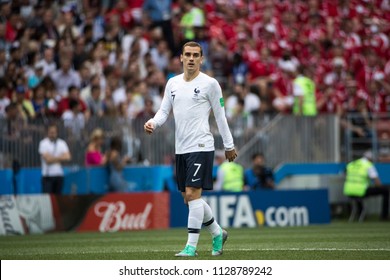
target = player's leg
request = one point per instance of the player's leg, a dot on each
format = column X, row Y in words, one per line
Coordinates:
column 191, row 197
column 219, row 235
column 195, row 219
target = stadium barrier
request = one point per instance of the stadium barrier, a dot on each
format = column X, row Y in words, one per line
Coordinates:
column 153, row 178
column 85, row 180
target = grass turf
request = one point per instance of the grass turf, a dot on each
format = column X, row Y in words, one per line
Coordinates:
column 336, row 241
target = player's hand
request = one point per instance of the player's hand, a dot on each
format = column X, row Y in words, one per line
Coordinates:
column 231, row 155
column 149, row 127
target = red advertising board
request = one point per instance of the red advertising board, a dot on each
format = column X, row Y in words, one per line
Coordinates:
column 127, row 211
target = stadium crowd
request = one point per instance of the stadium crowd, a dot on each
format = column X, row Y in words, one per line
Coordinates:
column 73, row 60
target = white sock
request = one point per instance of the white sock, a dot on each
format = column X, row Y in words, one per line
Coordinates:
column 195, row 219
column 209, row 221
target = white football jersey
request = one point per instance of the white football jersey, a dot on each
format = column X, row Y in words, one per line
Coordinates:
column 192, row 102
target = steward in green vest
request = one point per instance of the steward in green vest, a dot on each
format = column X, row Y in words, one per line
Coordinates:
column 193, row 17
column 357, row 180
column 305, row 105
column 360, row 172
column 233, row 177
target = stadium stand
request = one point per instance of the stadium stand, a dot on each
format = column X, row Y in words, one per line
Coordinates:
column 120, row 47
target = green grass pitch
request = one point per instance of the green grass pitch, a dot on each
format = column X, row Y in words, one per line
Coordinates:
column 336, row 241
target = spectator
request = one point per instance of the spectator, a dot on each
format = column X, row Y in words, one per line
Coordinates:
column 37, row 75
column 39, row 101
column 160, row 15
column 74, row 119
column 25, row 106
column 54, row 152
column 73, row 94
column 336, row 77
column 239, row 69
column 160, row 55
column 65, row 77
column 94, row 155
column 48, row 27
column 49, row 65
column 259, row 177
column 355, row 106
column 15, row 123
column 251, row 101
column 144, row 115
column 4, row 100
column 95, row 103
column 360, row 173
column 109, row 107
column 115, row 164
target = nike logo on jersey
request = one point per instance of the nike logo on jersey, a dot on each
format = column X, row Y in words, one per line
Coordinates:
column 194, row 180
column 172, row 94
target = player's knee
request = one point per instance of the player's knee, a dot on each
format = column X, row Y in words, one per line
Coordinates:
column 191, row 196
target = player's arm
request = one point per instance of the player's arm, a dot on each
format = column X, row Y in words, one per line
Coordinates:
column 161, row 115
column 218, row 106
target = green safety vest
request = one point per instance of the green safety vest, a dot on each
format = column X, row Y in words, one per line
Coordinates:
column 357, row 179
column 188, row 21
column 309, row 106
column 233, row 177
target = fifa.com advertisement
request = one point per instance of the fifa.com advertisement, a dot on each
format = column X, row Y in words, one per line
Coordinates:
column 261, row 208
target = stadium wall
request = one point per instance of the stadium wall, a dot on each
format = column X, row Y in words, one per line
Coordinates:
column 43, row 213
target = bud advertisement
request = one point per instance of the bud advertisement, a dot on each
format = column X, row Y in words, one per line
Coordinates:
column 120, row 212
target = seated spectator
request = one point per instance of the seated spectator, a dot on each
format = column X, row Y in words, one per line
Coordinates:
column 25, row 106
column 4, row 100
column 115, row 164
column 65, row 77
column 39, row 101
column 95, row 103
column 259, row 177
column 94, row 155
column 251, row 101
column 74, row 120
column 15, row 123
column 73, row 94
column 37, row 75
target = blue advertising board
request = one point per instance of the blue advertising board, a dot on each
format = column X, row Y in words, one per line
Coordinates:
column 251, row 209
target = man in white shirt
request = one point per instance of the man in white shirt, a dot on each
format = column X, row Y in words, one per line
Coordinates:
column 54, row 151
column 192, row 95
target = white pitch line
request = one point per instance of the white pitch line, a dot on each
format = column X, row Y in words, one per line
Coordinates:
column 240, row 249
column 311, row 249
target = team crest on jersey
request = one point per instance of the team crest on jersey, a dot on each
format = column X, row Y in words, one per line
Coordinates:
column 196, row 93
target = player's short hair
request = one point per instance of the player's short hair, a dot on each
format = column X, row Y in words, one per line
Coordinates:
column 192, row 44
